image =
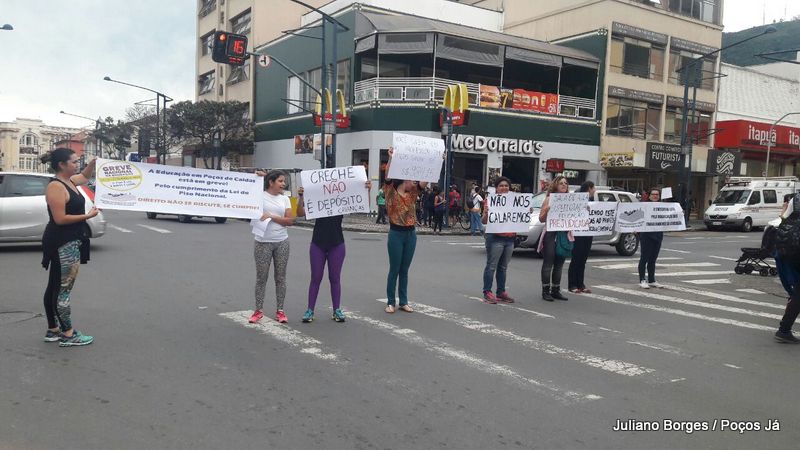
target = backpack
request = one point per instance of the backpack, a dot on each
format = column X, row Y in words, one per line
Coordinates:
column 471, row 202
column 563, row 245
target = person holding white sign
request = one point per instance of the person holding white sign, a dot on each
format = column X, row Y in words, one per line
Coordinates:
column 651, row 246
column 580, row 253
column 273, row 244
column 553, row 246
column 401, row 203
column 499, row 248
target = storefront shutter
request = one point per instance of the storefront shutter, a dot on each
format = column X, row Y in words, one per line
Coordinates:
column 469, row 51
column 368, row 43
column 530, row 56
column 581, row 63
column 405, row 43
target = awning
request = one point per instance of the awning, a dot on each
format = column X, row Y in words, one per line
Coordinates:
column 581, row 165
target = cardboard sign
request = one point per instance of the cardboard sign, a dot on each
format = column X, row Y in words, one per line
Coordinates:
column 645, row 217
column 666, row 193
column 602, row 216
column 509, row 213
column 568, row 212
column 416, row 158
column 134, row 186
column 334, row 192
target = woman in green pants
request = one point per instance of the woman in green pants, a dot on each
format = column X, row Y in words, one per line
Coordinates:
column 401, row 204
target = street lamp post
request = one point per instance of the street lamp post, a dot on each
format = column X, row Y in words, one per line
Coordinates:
column 447, row 135
column 769, row 138
column 690, row 77
column 161, row 115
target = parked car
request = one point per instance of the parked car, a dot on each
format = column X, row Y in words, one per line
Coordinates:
column 23, row 208
column 744, row 202
column 626, row 244
column 183, row 218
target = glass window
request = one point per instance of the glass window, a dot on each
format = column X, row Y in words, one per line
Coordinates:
column 606, row 197
column 625, row 198
column 705, row 10
column 206, row 43
column 239, row 73
column 393, row 69
column 343, row 78
column 26, row 186
column 653, row 121
column 314, row 78
column 2, row 178
column 241, row 23
column 369, row 68
column 731, row 197
column 294, row 89
column 206, row 6
column 755, row 198
column 679, row 59
column 206, row 82
column 673, row 118
column 770, row 196
column 637, row 58
column 631, row 118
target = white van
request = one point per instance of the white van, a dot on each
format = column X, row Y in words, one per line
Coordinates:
column 746, row 202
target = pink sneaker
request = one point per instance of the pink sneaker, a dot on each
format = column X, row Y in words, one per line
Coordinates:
column 257, row 315
column 280, row 316
column 504, row 297
column 489, row 298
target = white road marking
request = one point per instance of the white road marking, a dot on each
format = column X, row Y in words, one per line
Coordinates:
column 447, row 351
column 460, row 243
column 592, row 260
column 677, row 379
column 712, row 281
column 306, row 344
column 680, row 312
column 120, row 229
column 660, row 347
column 151, row 228
column 580, row 323
column 726, row 297
column 667, row 298
column 751, row 291
column 529, row 311
column 478, row 246
column 636, row 264
column 698, row 273
column 673, row 250
column 722, row 257
column 732, row 366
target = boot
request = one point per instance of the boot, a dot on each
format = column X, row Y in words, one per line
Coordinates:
column 555, row 292
column 546, row 293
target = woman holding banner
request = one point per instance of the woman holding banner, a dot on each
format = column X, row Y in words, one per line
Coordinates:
column 553, row 261
column 651, row 246
column 401, row 202
column 273, row 244
column 327, row 246
column 580, row 253
column 499, row 248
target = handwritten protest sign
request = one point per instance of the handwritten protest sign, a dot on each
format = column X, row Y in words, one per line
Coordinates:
column 666, row 193
column 649, row 216
column 336, row 191
column 568, row 212
column 133, row 186
column 509, row 213
column 602, row 216
column 416, row 158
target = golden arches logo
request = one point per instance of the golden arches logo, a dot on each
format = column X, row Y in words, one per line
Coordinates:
column 456, row 98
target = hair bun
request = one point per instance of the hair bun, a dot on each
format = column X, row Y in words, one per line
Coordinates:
column 45, row 158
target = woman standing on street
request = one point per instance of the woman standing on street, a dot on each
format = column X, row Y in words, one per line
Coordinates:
column 651, row 246
column 381, row 201
column 401, row 201
column 439, row 209
column 499, row 248
column 274, row 244
column 553, row 262
column 327, row 246
column 475, row 226
column 65, row 244
column 580, row 252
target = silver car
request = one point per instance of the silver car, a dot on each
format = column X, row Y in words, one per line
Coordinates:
column 23, row 209
column 626, row 244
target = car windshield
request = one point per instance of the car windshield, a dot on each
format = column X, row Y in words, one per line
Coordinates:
column 538, row 199
column 732, row 197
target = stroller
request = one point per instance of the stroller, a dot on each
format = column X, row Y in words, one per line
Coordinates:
column 752, row 259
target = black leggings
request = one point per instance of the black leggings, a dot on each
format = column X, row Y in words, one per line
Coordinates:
column 438, row 218
column 792, row 309
column 650, row 249
column 577, row 267
column 553, row 264
column 51, row 293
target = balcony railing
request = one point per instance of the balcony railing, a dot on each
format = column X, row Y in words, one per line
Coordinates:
column 432, row 89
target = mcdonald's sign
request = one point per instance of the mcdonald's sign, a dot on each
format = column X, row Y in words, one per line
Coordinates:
column 456, row 99
column 342, row 119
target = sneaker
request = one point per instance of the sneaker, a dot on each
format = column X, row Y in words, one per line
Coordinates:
column 338, row 315
column 656, row 284
column 52, row 336
column 77, row 339
column 786, row 337
column 308, row 316
column 257, row 315
column 504, row 297
column 280, row 317
column 643, row 284
column 489, row 298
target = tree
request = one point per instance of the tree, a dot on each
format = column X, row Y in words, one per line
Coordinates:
column 197, row 123
column 114, row 137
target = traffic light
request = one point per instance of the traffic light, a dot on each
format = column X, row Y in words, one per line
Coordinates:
column 229, row 48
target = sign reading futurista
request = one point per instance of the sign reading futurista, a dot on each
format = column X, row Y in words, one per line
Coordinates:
column 509, row 213
column 665, row 157
column 336, row 191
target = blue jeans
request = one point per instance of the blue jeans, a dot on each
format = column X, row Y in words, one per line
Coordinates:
column 475, row 222
column 401, row 245
column 498, row 254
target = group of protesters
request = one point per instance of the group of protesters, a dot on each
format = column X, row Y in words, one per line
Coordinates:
column 65, row 247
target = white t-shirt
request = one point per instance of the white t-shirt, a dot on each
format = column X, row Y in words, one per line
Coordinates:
column 274, row 204
column 476, row 202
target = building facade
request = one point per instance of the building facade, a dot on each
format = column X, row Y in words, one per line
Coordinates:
column 24, row 141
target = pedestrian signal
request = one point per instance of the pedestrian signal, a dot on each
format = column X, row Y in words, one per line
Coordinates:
column 229, row 48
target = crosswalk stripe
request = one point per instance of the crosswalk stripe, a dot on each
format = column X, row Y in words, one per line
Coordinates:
column 529, row 311
column 696, row 273
column 673, row 250
column 597, row 260
column 306, row 344
column 636, row 264
column 751, row 291
column 609, row 365
column 120, row 229
column 711, row 281
column 726, row 297
column 722, row 257
column 667, row 298
column 158, row 230
column 680, row 312
column 445, row 350
column 660, row 347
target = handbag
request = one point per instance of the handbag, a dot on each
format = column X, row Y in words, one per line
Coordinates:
column 563, row 245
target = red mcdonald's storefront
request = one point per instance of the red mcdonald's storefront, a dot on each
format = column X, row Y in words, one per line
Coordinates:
column 750, row 139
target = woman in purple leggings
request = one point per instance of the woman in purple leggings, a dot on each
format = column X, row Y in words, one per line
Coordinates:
column 327, row 245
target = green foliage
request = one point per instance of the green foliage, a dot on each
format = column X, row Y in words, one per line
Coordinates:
column 114, row 136
column 787, row 37
column 196, row 123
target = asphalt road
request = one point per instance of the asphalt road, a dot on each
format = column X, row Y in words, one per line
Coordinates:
column 175, row 365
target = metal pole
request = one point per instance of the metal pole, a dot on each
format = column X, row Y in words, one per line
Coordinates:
column 769, row 138
column 334, row 96
column 686, row 146
column 158, row 125
column 324, row 80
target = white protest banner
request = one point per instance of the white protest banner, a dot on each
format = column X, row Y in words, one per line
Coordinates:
column 134, row 186
column 649, row 216
column 336, row 191
column 509, row 213
column 602, row 216
column 568, row 212
column 416, row 158
column 666, row 193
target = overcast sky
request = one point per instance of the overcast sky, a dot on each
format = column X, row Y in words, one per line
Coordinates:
column 60, row 50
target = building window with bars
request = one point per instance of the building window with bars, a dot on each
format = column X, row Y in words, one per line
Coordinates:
column 241, row 23
column 206, row 83
column 206, row 6
column 239, row 73
column 636, row 57
column 632, row 118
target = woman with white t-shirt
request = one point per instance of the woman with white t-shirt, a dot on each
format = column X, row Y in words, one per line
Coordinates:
column 274, row 245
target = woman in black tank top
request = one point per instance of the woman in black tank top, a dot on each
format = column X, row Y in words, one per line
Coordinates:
column 65, row 244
